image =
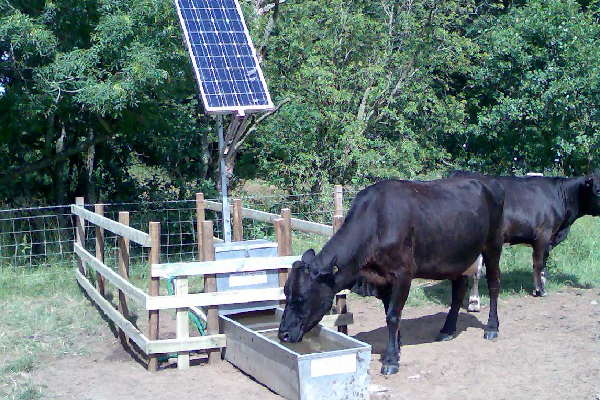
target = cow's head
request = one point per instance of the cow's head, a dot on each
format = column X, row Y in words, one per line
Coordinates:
column 592, row 187
column 309, row 292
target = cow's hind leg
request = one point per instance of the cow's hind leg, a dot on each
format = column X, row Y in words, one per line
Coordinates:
column 492, row 261
column 540, row 256
column 474, row 298
column 459, row 289
column 399, row 294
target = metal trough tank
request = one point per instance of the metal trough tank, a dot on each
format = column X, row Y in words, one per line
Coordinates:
column 325, row 365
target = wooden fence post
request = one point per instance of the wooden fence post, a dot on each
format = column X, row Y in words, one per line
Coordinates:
column 183, row 323
column 99, row 209
column 210, row 285
column 238, row 230
column 286, row 215
column 80, row 234
column 338, row 219
column 124, row 272
column 200, row 216
column 153, row 315
column 282, row 273
column 338, row 200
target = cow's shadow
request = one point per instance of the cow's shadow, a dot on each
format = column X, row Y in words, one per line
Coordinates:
column 418, row 330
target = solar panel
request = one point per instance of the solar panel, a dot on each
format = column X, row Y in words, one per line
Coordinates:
column 223, row 56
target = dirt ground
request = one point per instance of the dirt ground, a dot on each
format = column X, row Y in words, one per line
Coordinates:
column 549, row 348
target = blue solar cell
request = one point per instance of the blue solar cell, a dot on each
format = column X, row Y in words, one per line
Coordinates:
column 229, row 75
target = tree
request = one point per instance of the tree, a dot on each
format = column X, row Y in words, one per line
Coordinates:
column 98, row 83
column 533, row 97
column 371, row 87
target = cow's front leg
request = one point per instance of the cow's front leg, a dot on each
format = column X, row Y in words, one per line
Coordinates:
column 399, row 294
column 492, row 273
column 540, row 256
column 459, row 289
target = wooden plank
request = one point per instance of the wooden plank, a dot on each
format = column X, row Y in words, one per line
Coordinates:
column 123, row 271
column 132, row 234
column 153, row 315
column 114, row 315
column 213, row 205
column 231, row 265
column 183, row 323
column 210, row 287
column 338, row 320
column 190, row 344
column 199, row 313
column 297, row 224
column 238, row 231
column 341, row 306
column 80, row 232
column 99, row 209
column 213, row 299
column 311, row 227
column 131, row 291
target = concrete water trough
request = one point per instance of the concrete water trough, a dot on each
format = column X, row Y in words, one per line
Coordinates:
column 325, row 365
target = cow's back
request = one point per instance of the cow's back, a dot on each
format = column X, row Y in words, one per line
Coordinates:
column 445, row 224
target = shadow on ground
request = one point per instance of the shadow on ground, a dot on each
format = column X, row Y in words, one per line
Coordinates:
column 418, row 330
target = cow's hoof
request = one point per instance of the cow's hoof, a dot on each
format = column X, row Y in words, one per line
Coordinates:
column 474, row 306
column 444, row 337
column 539, row 293
column 389, row 369
column 490, row 335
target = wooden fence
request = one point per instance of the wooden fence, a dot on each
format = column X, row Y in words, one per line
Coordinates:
column 182, row 301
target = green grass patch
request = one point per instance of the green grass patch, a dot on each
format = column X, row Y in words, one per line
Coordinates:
column 573, row 263
column 44, row 314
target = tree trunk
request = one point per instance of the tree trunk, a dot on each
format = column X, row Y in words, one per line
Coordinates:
column 89, row 166
column 59, row 181
column 205, row 158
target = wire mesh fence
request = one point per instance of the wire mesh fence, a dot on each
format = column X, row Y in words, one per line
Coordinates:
column 37, row 237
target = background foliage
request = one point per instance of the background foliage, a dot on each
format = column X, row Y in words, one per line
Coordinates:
column 97, row 97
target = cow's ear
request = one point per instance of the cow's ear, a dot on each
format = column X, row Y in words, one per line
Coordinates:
column 298, row 264
column 308, row 256
column 326, row 272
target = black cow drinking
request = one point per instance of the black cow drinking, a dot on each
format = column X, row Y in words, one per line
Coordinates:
column 396, row 231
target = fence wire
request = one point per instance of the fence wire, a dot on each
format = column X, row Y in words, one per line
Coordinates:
column 38, row 237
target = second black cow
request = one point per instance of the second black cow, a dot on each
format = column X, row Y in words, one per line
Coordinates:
column 396, row 231
column 539, row 212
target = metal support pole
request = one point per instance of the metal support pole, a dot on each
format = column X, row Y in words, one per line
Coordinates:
column 226, row 212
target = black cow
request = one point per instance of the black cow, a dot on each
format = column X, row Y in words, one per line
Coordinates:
column 396, row 231
column 539, row 211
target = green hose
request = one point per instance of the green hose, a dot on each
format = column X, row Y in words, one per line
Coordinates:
column 190, row 314
column 167, row 357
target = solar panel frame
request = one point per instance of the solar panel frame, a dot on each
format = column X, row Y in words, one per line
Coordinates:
column 235, row 41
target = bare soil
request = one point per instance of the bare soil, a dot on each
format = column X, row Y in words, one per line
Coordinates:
column 548, row 348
